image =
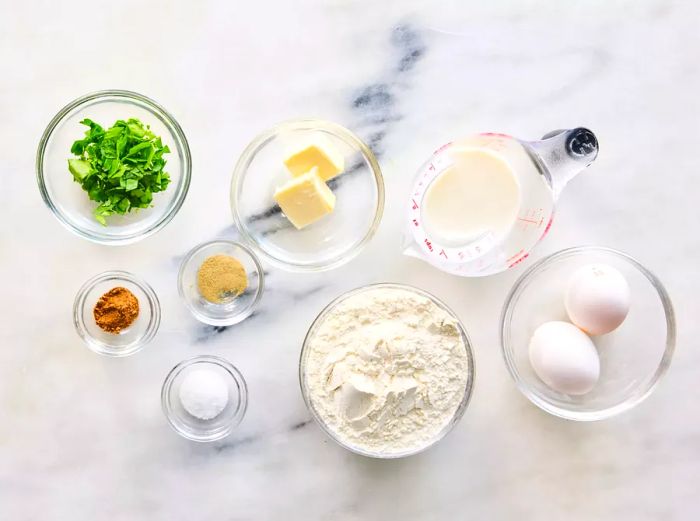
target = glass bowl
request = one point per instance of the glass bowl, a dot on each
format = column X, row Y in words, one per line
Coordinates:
column 233, row 310
column 66, row 198
column 129, row 340
column 459, row 411
column 632, row 358
column 333, row 240
column 191, row 427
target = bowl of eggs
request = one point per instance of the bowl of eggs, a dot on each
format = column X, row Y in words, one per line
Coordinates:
column 587, row 333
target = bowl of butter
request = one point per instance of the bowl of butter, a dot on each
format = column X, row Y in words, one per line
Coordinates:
column 308, row 194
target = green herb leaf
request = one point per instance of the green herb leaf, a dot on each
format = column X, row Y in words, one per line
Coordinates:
column 120, row 168
column 79, row 168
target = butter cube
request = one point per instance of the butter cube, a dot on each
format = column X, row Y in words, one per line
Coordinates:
column 305, row 199
column 315, row 152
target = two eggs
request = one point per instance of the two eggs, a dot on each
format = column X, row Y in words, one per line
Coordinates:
column 562, row 354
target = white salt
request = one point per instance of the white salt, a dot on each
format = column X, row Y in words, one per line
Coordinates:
column 203, row 393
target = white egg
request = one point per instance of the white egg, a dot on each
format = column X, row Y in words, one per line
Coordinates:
column 597, row 299
column 564, row 358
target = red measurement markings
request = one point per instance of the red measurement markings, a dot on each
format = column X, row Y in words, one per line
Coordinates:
column 431, row 167
column 521, row 259
column 415, row 222
column 532, row 216
column 549, row 225
column 515, row 257
column 415, row 204
column 443, row 147
column 442, row 252
column 525, row 220
column 428, row 244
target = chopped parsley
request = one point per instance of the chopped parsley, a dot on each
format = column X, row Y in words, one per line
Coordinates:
column 121, row 167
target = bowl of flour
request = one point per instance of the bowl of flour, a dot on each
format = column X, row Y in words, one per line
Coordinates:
column 386, row 370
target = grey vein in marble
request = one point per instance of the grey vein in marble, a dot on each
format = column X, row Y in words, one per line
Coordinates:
column 376, row 103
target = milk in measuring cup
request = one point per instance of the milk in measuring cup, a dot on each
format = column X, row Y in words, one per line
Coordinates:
column 479, row 205
column 477, row 195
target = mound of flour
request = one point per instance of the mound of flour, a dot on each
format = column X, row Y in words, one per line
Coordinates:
column 386, row 369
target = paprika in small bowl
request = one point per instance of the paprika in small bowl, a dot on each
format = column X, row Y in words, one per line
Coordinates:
column 116, row 313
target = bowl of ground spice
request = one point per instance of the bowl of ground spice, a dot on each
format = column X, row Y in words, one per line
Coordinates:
column 116, row 313
column 221, row 282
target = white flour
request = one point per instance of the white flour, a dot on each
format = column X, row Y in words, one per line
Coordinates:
column 386, row 370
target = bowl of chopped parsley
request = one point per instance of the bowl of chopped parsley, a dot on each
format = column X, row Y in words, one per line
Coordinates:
column 113, row 166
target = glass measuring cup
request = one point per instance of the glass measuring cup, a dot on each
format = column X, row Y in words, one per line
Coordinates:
column 540, row 169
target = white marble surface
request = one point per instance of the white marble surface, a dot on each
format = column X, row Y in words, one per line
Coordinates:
column 82, row 437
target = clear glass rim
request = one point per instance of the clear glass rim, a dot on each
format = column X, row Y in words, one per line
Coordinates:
column 103, row 348
column 165, row 117
column 305, row 124
column 459, row 412
column 507, row 349
column 224, row 430
column 239, row 316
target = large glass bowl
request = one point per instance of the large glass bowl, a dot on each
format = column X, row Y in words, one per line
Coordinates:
column 333, row 240
column 66, row 198
column 632, row 358
column 459, row 411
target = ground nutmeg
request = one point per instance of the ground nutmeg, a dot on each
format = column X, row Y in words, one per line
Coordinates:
column 116, row 310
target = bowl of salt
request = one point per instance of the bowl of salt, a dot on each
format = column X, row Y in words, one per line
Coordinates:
column 204, row 398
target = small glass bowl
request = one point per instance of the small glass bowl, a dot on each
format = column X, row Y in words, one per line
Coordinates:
column 459, row 412
column 191, row 427
column 129, row 340
column 632, row 358
column 333, row 240
column 66, row 198
column 234, row 310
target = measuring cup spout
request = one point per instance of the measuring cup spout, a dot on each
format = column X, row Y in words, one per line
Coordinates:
column 562, row 154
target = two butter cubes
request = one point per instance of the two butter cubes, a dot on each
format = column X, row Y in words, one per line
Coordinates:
column 306, row 197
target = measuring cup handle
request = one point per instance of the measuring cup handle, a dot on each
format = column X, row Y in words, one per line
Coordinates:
column 579, row 142
column 563, row 154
